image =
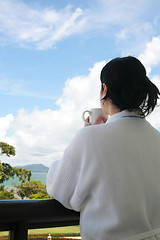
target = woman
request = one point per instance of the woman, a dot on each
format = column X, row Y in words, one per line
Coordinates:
column 111, row 172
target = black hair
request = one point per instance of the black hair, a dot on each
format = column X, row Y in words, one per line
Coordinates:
column 128, row 86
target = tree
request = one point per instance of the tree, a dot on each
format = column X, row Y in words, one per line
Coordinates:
column 7, row 149
column 32, row 190
column 6, row 194
column 7, row 171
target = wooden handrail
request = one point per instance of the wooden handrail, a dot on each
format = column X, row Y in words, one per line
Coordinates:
column 17, row 216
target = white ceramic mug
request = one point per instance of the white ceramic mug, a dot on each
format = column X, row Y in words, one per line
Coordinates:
column 93, row 113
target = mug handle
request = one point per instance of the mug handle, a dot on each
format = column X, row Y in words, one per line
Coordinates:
column 89, row 112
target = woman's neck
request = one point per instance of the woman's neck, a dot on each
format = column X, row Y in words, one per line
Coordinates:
column 111, row 109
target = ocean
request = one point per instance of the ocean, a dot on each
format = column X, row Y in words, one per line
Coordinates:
column 35, row 176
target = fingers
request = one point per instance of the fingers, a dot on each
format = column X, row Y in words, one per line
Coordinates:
column 100, row 119
column 104, row 119
column 87, row 122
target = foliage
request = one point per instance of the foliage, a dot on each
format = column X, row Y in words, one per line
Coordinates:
column 4, row 238
column 7, row 149
column 44, row 236
column 23, row 174
column 5, row 194
column 7, row 171
column 32, row 190
column 55, row 236
column 29, row 189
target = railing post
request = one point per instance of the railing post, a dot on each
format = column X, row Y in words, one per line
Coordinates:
column 19, row 232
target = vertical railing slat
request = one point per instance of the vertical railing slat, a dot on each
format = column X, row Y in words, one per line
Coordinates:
column 19, row 232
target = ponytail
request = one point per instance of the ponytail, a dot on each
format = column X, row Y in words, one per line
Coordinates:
column 152, row 97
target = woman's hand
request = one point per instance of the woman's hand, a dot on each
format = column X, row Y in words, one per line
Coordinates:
column 98, row 121
column 87, row 122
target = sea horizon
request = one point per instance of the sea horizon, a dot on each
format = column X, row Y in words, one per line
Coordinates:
column 35, row 177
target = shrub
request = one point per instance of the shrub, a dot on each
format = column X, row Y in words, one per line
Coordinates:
column 56, row 236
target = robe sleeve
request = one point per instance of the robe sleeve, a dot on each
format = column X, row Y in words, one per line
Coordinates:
column 62, row 180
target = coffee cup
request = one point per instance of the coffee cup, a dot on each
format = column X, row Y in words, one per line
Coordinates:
column 93, row 114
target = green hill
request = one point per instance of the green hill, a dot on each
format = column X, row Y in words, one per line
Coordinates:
column 37, row 168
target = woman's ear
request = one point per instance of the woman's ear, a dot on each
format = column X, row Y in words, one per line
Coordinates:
column 105, row 89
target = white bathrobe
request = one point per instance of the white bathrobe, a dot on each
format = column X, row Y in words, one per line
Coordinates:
column 111, row 174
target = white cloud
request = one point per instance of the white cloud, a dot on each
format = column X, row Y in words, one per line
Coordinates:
column 5, row 122
column 24, row 25
column 151, row 55
column 135, row 29
column 117, row 12
column 154, row 118
column 43, row 28
column 156, row 81
column 41, row 136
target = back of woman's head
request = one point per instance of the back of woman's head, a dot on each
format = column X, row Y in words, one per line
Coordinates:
column 128, row 86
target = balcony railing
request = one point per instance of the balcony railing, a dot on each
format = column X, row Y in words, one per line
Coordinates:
column 17, row 216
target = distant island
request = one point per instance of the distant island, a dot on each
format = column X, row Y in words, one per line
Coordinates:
column 35, row 168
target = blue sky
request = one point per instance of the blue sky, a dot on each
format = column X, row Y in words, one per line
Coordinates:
column 51, row 54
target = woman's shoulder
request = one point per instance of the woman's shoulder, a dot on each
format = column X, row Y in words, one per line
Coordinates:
column 91, row 131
